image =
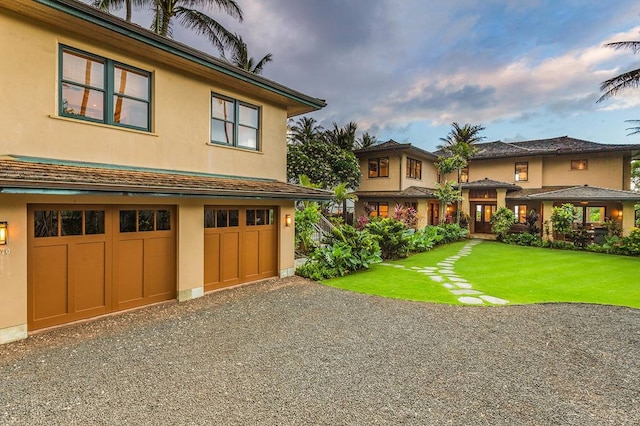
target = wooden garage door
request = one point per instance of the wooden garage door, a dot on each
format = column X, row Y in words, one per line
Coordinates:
column 240, row 245
column 81, row 263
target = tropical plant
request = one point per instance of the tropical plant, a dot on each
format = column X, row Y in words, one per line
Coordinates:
column 326, row 164
column 240, row 57
column 305, row 222
column 303, row 130
column 340, row 197
column 532, row 222
column 187, row 14
column 562, row 219
column 461, row 142
column 446, row 194
column 407, row 215
column 501, row 221
column 344, row 137
column 392, row 236
column 365, row 141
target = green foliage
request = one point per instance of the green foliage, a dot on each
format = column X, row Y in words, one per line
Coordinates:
column 501, row 222
column 424, row 240
column 523, row 239
column 326, row 164
column 631, row 243
column 392, row 237
column 562, row 219
column 531, row 220
column 406, row 215
column 450, row 232
column 613, row 227
column 304, row 227
column 344, row 251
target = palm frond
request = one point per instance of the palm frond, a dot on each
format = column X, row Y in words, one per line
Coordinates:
column 617, row 45
column 230, row 7
column 205, row 25
column 629, row 79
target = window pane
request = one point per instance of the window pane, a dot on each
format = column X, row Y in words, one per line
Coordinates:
column 221, row 218
column 130, row 112
column 222, row 109
column 131, row 83
column 271, row 217
column 45, row 223
column 82, row 101
column 383, row 210
column 209, row 218
column 234, row 217
column 94, row 222
column 71, row 222
column 579, row 164
column 127, row 221
column 384, row 168
column 221, row 132
column 522, row 172
column 247, row 137
column 163, row 218
column 251, row 217
column 248, row 116
column 145, row 220
column 373, row 168
column 82, row 69
column 261, row 218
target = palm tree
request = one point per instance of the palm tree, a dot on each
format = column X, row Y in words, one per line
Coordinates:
column 629, row 79
column 304, row 130
column 183, row 11
column 340, row 196
column 366, row 140
column 460, row 142
column 242, row 60
column 344, row 137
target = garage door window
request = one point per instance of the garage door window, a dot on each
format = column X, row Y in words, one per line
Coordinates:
column 145, row 220
column 221, row 218
column 72, row 222
column 260, row 217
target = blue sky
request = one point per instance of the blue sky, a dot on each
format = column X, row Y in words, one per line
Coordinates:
column 404, row 70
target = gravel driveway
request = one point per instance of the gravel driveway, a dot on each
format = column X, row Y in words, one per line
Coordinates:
column 295, row 352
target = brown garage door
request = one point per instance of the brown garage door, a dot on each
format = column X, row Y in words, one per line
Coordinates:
column 240, row 245
column 85, row 261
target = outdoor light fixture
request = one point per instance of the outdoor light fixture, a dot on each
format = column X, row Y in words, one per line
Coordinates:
column 619, row 214
column 3, row 233
column 287, row 220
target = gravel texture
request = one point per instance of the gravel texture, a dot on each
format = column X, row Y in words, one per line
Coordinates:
column 295, row 352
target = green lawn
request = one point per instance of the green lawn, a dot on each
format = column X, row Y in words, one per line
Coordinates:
column 517, row 274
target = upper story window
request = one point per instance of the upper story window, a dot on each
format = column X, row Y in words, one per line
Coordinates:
column 464, row 174
column 522, row 172
column 379, row 167
column 579, row 164
column 414, row 168
column 101, row 90
column 234, row 123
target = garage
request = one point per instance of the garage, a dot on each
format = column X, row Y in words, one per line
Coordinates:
column 240, row 245
column 88, row 260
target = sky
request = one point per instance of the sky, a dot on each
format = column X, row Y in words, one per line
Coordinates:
column 406, row 69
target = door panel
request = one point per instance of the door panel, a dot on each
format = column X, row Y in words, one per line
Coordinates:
column 49, row 284
column 88, row 270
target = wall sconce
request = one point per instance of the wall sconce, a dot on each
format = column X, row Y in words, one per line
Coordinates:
column 3, row 233
column 619, row 214
column 287, row 220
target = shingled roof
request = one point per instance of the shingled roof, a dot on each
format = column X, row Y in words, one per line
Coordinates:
column 392, row 145
column 489, row 183
column 558, row 145
column 583, row 193
column 410, row 192
column 24, row 174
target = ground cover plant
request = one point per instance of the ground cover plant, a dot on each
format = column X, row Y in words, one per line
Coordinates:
column 521, row 275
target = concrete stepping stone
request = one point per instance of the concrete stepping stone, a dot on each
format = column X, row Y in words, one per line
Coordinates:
column 457, row 279
column 470, row 300
column 447, row 285
column 445, row 264
column 463, row 285
column 398, row 266
column 436, row 278
column 494, row 300
column 386, row 264
column 447, row 271
column 454, row 257
column 466, row 291
column 416, row 267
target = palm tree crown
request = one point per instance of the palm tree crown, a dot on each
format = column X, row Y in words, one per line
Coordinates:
column 460, row 140
column 626, row 80
column 304, row 130
column 242, row 60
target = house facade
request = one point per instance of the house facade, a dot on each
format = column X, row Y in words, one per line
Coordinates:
column 133, row 169
column 524, row 176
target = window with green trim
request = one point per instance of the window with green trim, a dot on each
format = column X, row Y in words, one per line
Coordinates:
column 234, row 123
column 101, row 90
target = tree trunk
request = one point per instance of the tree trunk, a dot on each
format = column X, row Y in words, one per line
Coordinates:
column 460, row 194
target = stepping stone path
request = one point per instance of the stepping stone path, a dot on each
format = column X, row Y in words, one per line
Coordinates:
column 444, row 273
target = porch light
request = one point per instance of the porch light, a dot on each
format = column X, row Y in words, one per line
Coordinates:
column 619, row 214
column 3, row 233
column 287, row 220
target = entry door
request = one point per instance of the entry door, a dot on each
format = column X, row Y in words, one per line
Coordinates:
column 483, row 218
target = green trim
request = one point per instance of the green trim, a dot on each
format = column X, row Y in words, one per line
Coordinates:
column 115, row 24
column 132, row 168
column 236, row 122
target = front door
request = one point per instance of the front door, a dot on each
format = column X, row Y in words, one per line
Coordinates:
column 483, row 215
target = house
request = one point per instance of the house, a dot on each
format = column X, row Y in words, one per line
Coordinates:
column 133, row 169
column 523, row 176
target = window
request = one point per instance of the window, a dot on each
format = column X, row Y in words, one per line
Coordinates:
column 378, row 209
column 260, row 217
column 234, row 123
column 379, row 167
column 56, row 223
column 414, row 168
column 464, row 175
column 103, row 91
column 221, row 218
column 522, row 172
column 145, row 220
column 579, row 164
column 521, row 213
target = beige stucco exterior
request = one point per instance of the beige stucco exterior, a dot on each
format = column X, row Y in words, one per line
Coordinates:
column 179, row 140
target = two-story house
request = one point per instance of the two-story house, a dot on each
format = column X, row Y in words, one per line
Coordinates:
column 524, row 176
column 133, row 169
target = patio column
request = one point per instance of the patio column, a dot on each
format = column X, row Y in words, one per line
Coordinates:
column 547, row 211
column 464, row 204
column 628, row 216
column 501, row 201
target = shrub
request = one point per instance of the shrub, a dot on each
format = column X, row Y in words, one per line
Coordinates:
column 562, row 219
column 392, row 236
column 523, row 239
column 423, row 240
column 450, row 232
column 406, row 215
column 304, row 227
column 531, row 220
column 630, row 244
column 501, row 222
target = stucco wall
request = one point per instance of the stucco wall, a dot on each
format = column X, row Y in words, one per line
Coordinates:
column 604, row 170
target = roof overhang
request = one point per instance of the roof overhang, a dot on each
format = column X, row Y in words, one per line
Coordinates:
column 578, row 194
